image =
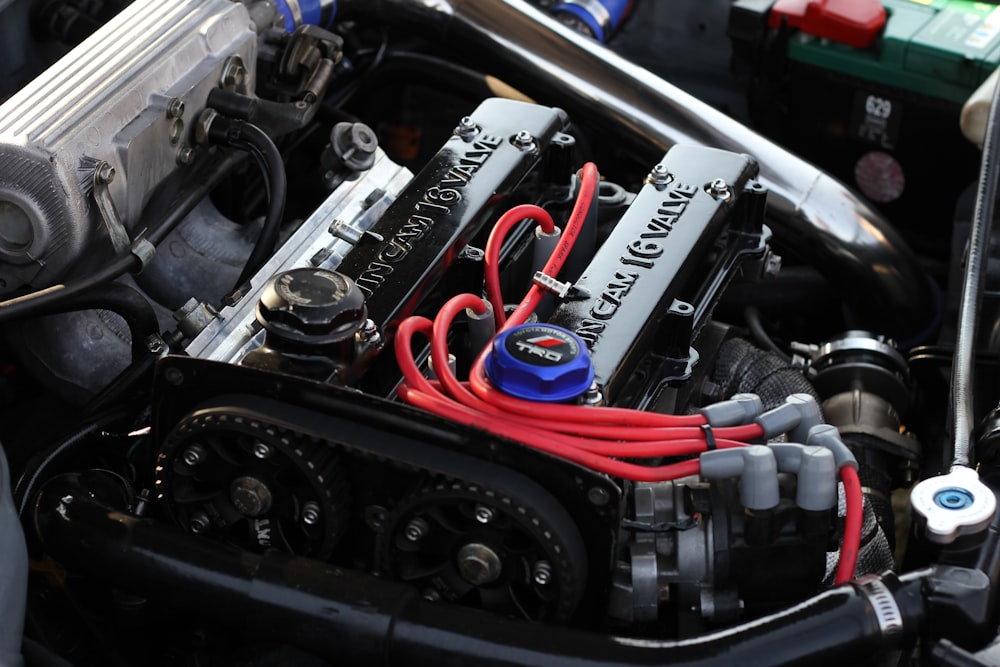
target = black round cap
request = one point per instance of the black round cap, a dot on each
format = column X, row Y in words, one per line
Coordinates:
column 312, row 306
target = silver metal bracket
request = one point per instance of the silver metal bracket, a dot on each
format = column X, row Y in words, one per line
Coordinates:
column 104, row 174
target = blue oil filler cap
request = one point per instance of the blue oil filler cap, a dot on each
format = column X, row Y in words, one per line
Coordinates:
column 540, row 362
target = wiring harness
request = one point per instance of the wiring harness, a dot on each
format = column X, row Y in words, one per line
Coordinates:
column 602, row 438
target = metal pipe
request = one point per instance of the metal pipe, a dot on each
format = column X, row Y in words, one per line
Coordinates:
column 813, row 216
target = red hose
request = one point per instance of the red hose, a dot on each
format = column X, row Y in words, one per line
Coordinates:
column 571, row 420
column 492, row 260
column 854, row 515
column 586, row 435
column 590, row 179
column 589, row 436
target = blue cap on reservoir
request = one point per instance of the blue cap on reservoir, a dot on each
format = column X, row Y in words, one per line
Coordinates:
column 540, row 362
column 602, row 17
column 306, row 12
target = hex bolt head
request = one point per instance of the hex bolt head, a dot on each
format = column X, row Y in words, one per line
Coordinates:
column 659, row 175
column 478, row 564
column 369, row 333
column 193, row 455
column 200, row 523
column 250, row 496
column 719, row 188
column 594, row 397
column 467, row 127
column 311, row 513
column 524, row 140
column 105, row 173
column 542, row 573
column 175, row 108
column 484, row 514
column 416, row 529
column 234, row 74
column 185, row 155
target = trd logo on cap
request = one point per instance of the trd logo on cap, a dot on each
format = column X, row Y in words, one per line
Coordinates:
column 543, row 346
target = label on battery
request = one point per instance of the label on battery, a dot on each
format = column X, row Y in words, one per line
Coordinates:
column 987, row 30
column 968, row 25
column 876, row 119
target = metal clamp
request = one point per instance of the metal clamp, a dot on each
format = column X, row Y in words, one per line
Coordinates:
column 104, row 175
column 550, row 284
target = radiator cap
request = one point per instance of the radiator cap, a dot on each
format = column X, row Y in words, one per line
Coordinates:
column 540, row 362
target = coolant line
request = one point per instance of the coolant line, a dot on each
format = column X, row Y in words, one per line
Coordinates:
column 814, row 216
column 354, row 618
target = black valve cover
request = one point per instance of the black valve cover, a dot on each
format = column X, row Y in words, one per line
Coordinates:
column 653, row 283
column 447, row 203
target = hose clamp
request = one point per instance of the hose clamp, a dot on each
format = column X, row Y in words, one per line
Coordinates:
column 887, row 613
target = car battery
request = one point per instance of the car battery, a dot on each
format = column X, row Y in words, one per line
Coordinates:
column 872, row 91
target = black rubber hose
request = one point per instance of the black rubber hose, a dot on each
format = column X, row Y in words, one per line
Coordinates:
column 250, row 138
column 756, row 326
column 124, row 385
column 38, row 466
column 353, row 618
column 204, row 178
column 121, row 300
column 963, row 363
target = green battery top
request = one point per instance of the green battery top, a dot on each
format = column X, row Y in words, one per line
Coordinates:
column 939, row 48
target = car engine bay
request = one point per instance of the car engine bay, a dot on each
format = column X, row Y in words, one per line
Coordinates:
column 499, row 332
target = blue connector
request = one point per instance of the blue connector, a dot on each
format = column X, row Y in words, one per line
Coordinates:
column 306, row 12
column 602, row 17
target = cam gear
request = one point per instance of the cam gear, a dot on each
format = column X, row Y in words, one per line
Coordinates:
column 469, row 544
column 254, row 485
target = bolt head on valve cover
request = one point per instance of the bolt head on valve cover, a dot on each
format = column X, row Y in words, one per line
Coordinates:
column 540, row 362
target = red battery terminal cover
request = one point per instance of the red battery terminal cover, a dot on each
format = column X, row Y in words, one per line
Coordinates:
column 852, row 22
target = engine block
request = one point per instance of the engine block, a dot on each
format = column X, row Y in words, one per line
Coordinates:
column 123, row 116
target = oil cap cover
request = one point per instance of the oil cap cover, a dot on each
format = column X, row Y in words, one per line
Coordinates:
column 540, row 362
